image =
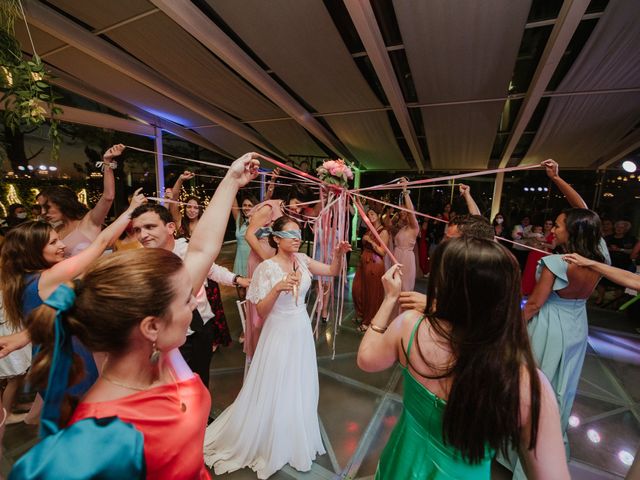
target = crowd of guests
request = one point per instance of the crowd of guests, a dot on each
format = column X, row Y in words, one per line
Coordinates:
column 123, row 342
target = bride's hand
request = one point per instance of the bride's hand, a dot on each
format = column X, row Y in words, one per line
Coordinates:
column 287, row 283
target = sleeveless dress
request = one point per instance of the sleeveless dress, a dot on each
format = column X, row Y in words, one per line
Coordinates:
column 274, row 419
column 75, row 242
column 171, row 417
column 558, row 334
column 18, row 362
column 242, row 247
column 404, row 243
column 30, row 301
column 253, row 324
column 416, row 449
column 367, row 290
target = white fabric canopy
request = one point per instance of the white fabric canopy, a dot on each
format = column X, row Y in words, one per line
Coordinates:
column 301, row 45
column 461, row 50
column 578, row 131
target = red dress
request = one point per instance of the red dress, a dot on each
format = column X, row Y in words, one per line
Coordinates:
column 367, row 290
column 529, row 273
column 172, row 419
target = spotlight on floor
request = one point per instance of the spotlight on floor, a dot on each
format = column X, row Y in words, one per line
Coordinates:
column 625, row 457
column 629, row 166
column 593, row 435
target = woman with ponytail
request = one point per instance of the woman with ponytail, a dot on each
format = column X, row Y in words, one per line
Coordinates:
column 471, row 386
column 136, row 307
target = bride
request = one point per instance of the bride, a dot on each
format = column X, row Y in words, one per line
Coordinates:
column 274, row 419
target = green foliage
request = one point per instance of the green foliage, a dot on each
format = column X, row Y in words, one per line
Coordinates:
column 24, row 84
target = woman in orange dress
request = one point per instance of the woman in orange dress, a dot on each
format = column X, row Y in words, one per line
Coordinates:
column 136, row 306
column 367, row 291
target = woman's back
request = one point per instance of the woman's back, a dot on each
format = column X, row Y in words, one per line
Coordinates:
column 417, row 448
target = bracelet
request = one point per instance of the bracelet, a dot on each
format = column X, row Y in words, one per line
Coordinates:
column 377, row 329
column 406, row 192
column 235, row 279
column 104, row 165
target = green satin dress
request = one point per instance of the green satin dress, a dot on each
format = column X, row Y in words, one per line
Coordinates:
column 416, row 449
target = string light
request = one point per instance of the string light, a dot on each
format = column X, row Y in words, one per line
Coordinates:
column 82, row 197
column 4, row 210
column 12, row 195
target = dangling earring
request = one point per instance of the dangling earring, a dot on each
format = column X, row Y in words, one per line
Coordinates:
column 155, row 354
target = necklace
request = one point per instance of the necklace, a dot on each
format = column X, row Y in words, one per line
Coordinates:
column 124, row 385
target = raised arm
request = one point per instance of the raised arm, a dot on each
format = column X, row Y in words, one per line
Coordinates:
column 272, row 184
column 573, row 197
column 208, row 235
column 616, row 275
column 73, row 267
column 408, row 204
column 235, row 209
column 258, row 219
column 472, row 206
column 333, row 269
column 174, row 208
column 100, row 211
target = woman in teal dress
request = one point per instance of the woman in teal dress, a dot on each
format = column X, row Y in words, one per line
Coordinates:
column 241, row 216
column 471, row 386
column 556, row 309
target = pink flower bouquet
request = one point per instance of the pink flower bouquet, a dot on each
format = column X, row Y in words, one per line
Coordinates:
column 335, row 172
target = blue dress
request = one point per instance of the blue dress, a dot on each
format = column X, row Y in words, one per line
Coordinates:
column 242, row 247
column 558, row 335
column 30, row 301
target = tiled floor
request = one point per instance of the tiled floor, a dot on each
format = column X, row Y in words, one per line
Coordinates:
column 358, row 410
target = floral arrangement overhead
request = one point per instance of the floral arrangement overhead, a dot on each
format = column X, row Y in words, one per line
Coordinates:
column 335, row 172
column 25, row 85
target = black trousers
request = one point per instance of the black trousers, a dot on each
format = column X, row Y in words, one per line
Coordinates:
column 197, row 349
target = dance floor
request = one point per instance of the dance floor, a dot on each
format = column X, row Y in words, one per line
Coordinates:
column 358, row 410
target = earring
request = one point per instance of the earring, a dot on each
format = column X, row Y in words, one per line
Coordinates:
column 155, row 354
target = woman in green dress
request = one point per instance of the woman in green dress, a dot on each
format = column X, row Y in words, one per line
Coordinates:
column 471, row 386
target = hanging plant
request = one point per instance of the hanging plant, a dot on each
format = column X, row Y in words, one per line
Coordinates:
column 25, row 83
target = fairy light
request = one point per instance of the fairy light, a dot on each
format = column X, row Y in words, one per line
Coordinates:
column 3, row 209
column 82, row 197
column 12, row 195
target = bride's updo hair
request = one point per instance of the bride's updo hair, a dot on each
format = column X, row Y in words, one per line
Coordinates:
column 278, row 226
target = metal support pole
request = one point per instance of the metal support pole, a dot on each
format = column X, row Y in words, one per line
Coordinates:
column 497, row 195
column 159, row 163
column 263, row 176
column 354, row 221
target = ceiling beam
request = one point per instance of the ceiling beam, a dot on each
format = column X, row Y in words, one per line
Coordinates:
column 77, row 86
column 100, row 120
column 631, row 145
column 366, row 24
column 197, row 24
column 69, row 32
column 565, row 26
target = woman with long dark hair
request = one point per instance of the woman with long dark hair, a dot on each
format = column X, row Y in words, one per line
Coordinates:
column 77, row 226
column 556, row 309
column 367, row 291
column 471, row 386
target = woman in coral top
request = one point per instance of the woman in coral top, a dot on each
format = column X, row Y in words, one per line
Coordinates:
column 136, row 306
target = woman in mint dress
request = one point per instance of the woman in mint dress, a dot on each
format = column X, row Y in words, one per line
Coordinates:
column 471, row 386
column 241, row 216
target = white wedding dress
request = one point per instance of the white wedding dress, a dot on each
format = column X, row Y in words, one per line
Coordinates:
column 274, row 419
